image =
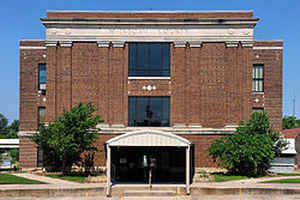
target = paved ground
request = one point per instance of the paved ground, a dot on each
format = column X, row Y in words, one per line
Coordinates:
column 45, row 179
column 211, row 197
column 62, row 184
column 250, row 183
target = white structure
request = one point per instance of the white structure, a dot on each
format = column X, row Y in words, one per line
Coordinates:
column 286, row 162
column 9, row 143
column 148, row 138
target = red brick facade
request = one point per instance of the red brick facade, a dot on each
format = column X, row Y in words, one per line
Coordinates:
column 209, row 86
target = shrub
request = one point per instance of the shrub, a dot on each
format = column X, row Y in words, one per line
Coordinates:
column 250, row 150
column 64, row 140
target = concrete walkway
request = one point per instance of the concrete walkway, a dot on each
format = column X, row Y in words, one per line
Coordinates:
column 57, row 187
column 45, row 179
column 252, row 183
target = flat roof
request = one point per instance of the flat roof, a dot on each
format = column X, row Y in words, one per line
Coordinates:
column 186, row 14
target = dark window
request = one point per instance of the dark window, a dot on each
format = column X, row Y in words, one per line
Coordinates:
column 258, row 78
column 39, row 161
column 41, row 114
column 257, row 109
column 149, row 111
column 42, row 78
column 149, row 59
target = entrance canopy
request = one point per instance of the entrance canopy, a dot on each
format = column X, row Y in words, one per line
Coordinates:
column 149, row 138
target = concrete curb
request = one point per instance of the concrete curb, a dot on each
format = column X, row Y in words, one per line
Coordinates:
column 195, row 191
column 52, row 192
column 100, row 191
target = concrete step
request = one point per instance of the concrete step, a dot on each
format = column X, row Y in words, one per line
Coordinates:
column 149, row 193
column 158, row 198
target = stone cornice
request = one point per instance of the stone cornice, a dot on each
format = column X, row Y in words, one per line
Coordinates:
column 65, row 43
column 195, row 44
column 118, row 44
column 193, row 129
column 26, row 133
column 104, row 44
column 247, row 43
column 180, row 44
column 51, row 43
column 70, row 22
column 232, row 44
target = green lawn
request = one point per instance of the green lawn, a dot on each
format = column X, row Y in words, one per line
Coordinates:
column 294, row 180
column 225, row 177
column 288, row 174
column 11, row 179
column 76, row 178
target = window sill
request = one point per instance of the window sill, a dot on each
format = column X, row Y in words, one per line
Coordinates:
column 258, row 92
column 148, row 78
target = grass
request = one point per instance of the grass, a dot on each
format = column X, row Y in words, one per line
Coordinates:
column 294, row 180
column 11, row 179
column 226, row 177
column 76, row 178
column 288, row 174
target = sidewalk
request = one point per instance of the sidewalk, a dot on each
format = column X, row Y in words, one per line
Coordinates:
column 57, row 187
column 45, row 179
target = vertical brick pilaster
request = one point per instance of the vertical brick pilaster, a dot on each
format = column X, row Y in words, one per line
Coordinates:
column 178, row 85
column 103, row 81
column 28, row 153
column 117, row 80
column 125, row 84
column 51, row 83
column 64, row 78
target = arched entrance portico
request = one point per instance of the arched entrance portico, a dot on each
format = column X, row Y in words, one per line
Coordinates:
column 143, row 141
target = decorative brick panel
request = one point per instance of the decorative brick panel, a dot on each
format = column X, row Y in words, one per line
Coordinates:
column 30, row 99
column 271, row 98
column 28, row 153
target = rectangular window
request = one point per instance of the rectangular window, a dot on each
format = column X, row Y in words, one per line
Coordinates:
column 149, row 111
column 149, row 59
column 257, row 109
column 39, row 161
column 258, row 78
column 41, row 114
column 42, row 77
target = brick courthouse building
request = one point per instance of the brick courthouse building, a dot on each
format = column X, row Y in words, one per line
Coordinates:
column 166, row 83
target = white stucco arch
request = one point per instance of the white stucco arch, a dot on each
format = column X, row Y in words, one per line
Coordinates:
column 149, row 138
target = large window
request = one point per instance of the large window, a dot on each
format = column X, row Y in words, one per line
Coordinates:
column 258, row 78
column 149, row 59
column 149, row 111
column 42, row 77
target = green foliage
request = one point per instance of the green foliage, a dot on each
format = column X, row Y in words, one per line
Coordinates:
column 3, row 122
column 64, row 140
column 14, row 155
column 9, row 131
column 250, row 150
column 289, row 122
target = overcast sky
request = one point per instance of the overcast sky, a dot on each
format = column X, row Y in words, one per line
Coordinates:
column 279, row 20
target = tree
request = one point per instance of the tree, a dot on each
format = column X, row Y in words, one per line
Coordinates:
column 14, row 155
column 250, row 150
column 289, row 122
column 72, row 134
column 8, row 131
column 3, row 122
